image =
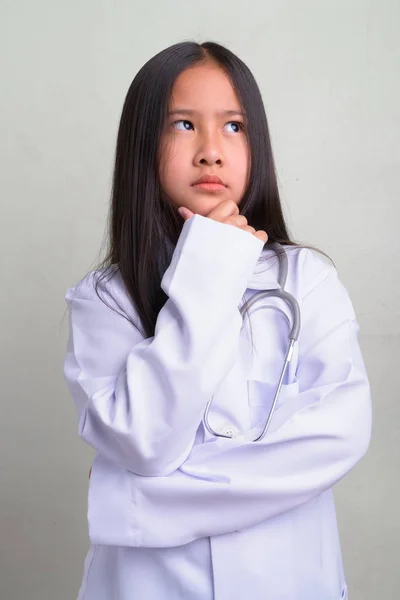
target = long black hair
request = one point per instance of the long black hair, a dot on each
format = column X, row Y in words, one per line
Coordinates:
column 143, row 227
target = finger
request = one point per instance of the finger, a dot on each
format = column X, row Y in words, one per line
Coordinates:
column 250, row 229
column 223, row 210
column 185, row 213
column 236, row 221
column 261, row 235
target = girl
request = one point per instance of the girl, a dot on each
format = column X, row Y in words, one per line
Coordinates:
column 175, row 511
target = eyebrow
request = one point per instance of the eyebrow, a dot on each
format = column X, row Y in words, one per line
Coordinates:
column 191, row 113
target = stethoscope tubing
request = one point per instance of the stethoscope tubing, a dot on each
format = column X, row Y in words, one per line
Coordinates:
column 294, row 325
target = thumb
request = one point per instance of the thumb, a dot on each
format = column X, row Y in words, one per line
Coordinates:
column 185, row 213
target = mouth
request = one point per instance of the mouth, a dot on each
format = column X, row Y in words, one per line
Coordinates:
column 209, row 182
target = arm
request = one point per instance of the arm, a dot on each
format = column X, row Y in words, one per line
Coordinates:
column 315, row 438
column 139, row 402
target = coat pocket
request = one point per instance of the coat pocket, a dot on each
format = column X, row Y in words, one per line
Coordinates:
column 261, row 395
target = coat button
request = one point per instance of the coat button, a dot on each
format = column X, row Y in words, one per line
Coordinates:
column 230, row 431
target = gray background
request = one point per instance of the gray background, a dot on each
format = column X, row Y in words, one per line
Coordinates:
column 329, row 73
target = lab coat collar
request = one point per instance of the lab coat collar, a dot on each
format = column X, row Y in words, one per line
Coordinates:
column 266, row 273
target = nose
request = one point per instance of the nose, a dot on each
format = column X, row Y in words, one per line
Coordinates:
column 209, row 151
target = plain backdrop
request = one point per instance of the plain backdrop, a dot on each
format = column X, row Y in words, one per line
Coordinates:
column 329, row 75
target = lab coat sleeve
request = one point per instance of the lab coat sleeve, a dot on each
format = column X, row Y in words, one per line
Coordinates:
column 140, row 401
column 314, row 439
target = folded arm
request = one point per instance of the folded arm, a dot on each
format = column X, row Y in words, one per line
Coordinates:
column 314, row 439
column 140, row 401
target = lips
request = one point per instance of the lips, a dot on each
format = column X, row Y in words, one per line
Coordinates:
column 209, row 179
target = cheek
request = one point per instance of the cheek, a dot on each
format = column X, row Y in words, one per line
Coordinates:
column 242, row 165
column 172, row 163
column 167, row 166
column 172, row 178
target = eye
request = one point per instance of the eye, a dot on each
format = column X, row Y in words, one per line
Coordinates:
column 182, row 125
column 237, row 127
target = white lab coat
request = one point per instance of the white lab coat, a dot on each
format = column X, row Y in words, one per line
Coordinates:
column 175, row 513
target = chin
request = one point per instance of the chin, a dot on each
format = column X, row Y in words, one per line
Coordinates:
column 205, row 207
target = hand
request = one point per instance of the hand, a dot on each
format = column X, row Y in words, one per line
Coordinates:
column 227, row 212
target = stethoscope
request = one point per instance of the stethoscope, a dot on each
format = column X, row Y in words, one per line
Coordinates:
column 293, row 335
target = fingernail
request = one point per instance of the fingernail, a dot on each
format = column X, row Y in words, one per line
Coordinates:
column 182, row 211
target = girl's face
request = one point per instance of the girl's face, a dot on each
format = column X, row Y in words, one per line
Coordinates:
column 204, row 136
